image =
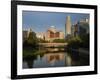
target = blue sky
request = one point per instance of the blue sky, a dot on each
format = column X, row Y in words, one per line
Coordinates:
column 41, row 21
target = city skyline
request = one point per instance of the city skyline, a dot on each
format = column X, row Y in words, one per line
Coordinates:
column 41, row 21
column 63, row 36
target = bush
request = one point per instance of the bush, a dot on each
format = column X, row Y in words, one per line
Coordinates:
column 59, row 40
column 74, row 43
column 42, row 41
column 79, row 41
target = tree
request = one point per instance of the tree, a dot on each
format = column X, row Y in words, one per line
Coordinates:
column 80, row 41
column 31, row 40
column 74, row 42
column 85, row 41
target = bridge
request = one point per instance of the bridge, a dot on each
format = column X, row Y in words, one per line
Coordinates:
column 53, row 44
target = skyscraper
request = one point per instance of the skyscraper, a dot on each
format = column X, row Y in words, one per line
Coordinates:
column 68, row 26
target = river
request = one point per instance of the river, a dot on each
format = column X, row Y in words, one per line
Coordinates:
column 57, row 59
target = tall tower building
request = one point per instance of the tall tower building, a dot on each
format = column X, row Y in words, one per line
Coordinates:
column 68, row 26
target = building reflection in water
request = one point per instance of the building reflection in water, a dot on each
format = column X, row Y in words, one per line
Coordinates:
column 52, row 58
column 56, row 60
column 68, row 60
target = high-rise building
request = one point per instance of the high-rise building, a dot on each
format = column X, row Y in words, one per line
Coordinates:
column 68, row 26
column 81, row 27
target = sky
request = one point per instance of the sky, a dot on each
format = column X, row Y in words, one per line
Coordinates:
column 41, row 21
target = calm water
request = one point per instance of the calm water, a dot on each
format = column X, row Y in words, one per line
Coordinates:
column 60, row 59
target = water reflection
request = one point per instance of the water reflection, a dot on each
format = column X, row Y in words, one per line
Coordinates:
column 60, row 59
column 68, row 60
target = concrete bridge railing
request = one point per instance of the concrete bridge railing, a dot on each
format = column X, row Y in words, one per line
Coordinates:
column 52, row 44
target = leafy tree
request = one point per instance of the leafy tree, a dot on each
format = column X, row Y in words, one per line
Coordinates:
column 85, row 40
column 74, row 42
column 31, row 41
column 79, row 41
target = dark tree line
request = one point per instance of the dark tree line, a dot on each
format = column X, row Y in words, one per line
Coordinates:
column 31, row 41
